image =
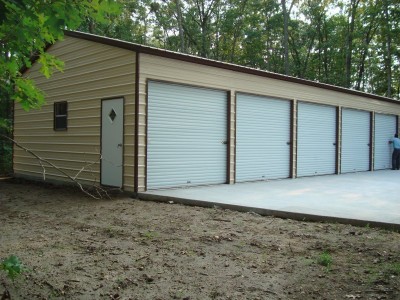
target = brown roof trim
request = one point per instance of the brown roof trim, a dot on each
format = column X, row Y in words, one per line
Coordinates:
column 218, row 64
column 33, row 59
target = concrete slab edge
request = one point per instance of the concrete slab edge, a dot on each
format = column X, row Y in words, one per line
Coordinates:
column 270, row 212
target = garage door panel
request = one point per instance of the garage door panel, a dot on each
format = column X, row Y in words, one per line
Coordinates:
column 385, row 128
column 316, row 139
column 355, row 140
column 187, row 136
column 262, row 135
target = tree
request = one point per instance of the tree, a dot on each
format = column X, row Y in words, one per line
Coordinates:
column 27, row 27
column 352, row 15
column 387, row 45
column 180, row 21
column 285, row 14
column 369, row 17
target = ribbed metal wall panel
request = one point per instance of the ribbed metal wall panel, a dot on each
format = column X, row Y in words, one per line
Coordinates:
column 316, row 139
column 385, row 128
column 92, row 72
column 187, row 136
column 355, row 140
column 262, row 136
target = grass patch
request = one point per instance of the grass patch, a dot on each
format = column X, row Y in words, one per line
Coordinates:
column 325, row 259
column 149, row 235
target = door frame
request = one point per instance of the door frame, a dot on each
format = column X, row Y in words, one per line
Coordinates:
column 336, row 135
column 123, row 138
column 370, row 138
column 227, row 125
column 291, row 130
column 373, row 127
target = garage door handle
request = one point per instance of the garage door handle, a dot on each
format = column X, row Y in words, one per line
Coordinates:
column 334, row 144
column 288, row 143
column 119, row 145
column 224, row 142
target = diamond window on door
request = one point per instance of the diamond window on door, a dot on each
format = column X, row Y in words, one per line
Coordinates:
column 112, row 115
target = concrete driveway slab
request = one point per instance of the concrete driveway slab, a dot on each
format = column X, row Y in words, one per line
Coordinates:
column 365, row 197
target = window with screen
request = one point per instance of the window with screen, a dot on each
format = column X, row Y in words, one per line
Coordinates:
column 60, row 115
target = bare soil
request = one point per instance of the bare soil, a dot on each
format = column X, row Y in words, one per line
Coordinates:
column 79, row 248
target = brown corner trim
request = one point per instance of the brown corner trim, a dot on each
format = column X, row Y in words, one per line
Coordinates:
column 13, row 137
column 371, row 140
column 337, row 139
column 229, row 140
column 123, row 143
column 101, row 141
column 147, row 134
column 136, row 148
column 235, row 126
column 292, row 140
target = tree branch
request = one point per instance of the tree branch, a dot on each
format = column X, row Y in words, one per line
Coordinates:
column 98, row 189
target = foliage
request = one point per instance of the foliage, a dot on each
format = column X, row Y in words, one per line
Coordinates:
column 5, row 129
column 150, row 235
column 5, row 157
column 27, row 28
column 325, row 259
column 349, row 43
column 12, row 266
column 395, row 269
column 383, row 271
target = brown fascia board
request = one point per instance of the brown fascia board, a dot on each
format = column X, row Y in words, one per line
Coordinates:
column 34, row 57
column 218, row 64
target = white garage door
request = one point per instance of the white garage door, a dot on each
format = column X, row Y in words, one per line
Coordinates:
column 187, row 136
column 385, row 128
column 355, row 140
column 316, row 139
column 262, row 138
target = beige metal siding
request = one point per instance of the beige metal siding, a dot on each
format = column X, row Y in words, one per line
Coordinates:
column 92, row 72
column 165, row 69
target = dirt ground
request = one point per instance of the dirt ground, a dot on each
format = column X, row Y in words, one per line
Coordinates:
column 79, row 248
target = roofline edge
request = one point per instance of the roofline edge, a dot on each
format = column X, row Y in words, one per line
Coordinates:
column 218, row 64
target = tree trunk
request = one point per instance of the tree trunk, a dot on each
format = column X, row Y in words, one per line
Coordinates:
column 361, row 69
column 203, row 16
column 238, row 29
column 285, row 36
column 91, row 25
column 388, row 50
column 307, row 59
column 350, row 32
column 181, row 33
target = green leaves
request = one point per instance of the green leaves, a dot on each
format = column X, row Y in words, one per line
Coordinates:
column 325, row 259
column 5, row 124
column 27, row 94
column 12, row 266
column 49, row 64
column 27, row 27
column 250, row 32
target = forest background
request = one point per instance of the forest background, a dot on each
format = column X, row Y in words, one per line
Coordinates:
column 349, row 43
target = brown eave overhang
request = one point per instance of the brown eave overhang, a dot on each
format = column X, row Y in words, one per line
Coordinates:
column 218, row 64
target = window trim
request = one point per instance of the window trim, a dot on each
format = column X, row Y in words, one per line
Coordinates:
column 55, row 116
